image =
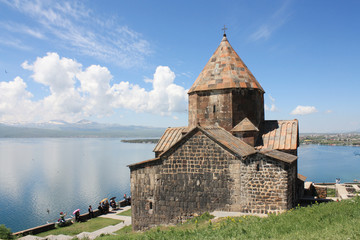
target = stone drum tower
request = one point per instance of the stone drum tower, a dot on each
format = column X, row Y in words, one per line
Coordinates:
column 225, row 92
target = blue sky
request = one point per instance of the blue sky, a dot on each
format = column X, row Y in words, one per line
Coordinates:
column 132, row 62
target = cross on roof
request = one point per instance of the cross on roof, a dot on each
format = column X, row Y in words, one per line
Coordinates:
column 224, row 29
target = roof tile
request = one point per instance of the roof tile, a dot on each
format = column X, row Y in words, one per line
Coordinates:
column 280, row 135
column 170, row 136
column 222, row 62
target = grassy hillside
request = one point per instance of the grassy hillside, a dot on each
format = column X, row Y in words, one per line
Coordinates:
column 335, row 220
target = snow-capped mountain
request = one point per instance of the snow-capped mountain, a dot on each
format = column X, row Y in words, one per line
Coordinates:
column 82, row 128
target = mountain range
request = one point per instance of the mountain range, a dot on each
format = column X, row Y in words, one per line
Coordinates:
column 83, row 128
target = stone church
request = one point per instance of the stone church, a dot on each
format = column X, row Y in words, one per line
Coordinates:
column 228, row 158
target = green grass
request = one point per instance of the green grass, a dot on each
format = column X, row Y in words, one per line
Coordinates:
column 334, row 220
column 330, row 192
column 76, row 228
column 125, row 213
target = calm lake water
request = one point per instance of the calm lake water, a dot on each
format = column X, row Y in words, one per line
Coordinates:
column 58, row 174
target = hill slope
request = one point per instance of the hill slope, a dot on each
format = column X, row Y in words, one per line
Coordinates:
column 335, row 220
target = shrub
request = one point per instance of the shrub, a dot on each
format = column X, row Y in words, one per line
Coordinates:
column 5, row 233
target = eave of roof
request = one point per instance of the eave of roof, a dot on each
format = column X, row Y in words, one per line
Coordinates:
column 285, row 157
column 302, row 177
column 143, row 162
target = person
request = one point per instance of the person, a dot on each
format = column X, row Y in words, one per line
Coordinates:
column 100, row 208
column 91, row 213
column 107, row 206
column 127, row 200
column 77, row 216
column 62, row 217
column 113, row 204
column 337, row 180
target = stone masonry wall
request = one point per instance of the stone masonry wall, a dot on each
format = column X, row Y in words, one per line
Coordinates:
column 226, row 107
column 210, row 107
column 247, row 103
column 195, row 179
column 265, row 185
column 201, row 176
column 143, row 185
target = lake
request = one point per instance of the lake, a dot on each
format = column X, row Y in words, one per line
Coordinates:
column 63, row 174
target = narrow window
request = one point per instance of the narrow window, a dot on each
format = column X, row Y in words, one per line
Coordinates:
column 150, row 205
column 214, row 108
column 257, row 167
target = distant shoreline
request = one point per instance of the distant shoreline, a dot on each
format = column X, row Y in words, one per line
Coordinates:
column 331, row 144
column 152, row 141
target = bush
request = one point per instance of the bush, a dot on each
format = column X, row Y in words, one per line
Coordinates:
column 5, row 233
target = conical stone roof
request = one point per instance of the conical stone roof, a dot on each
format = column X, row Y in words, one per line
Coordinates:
column 225, row 70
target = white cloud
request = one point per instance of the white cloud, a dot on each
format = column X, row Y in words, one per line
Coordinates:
column 148, row 80
column 71, row 25
column 15, row 101
column 272, row 107
column 303, row 110
column 328, row 111
column 20, row 28
column 58, row 74
column 76, row 93
column 14, row 43
column 275, row 21
column 263, row 32
column 164, row 98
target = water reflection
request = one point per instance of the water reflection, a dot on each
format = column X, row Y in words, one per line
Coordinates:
column 37, row 175
column 325, row 163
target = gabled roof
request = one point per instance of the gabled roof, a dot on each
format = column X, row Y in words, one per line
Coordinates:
column 285, row 157
column 227, row 140
column 280, row 135
column 169, row 138
column 245, row 126
column 225, row 70
column 217, row 134
column 222, row 137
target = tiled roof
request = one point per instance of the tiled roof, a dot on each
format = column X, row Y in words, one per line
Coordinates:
column 173, row 137
column 280, row 135
column 245, row 126
column 225, row 70
column 285, row 157
column 170, row 136
column 226, row 139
